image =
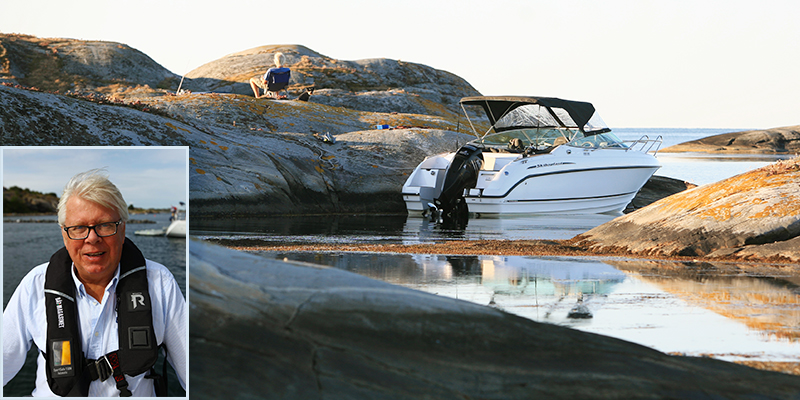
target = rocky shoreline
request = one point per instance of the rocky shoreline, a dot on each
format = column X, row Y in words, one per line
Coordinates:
column 784, row 140
column 543, row 248
column 754, row 215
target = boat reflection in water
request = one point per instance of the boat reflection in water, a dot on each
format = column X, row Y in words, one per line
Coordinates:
column 723, row 311
column 521, row 227
column 529, row 287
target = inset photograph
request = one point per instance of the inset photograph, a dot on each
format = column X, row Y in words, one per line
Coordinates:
column 94, row 271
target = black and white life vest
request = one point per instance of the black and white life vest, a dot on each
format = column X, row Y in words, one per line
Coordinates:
column 69, row 373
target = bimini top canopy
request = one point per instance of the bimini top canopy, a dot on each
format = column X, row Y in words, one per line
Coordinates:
column 514, row 112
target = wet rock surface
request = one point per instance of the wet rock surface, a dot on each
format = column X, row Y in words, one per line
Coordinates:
column 752, row 215
column 300, row 331
column 776, row 140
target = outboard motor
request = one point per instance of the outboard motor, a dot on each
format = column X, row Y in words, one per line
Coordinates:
column 462, row 173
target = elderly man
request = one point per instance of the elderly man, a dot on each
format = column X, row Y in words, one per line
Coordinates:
column 273, row 81
column 98, row 309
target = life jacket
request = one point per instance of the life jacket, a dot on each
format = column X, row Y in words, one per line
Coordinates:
column 69, row 373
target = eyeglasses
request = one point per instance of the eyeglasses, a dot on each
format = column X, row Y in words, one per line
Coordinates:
column 80, row 232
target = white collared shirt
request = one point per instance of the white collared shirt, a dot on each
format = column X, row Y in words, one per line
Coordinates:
column 25, row 322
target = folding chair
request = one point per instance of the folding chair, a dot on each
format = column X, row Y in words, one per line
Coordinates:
column 277, row 80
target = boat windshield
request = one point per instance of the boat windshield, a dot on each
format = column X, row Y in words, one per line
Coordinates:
column 550, row 137
column 536, row 137
column 600, row 140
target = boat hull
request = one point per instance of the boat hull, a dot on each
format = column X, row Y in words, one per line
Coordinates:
column 177, row 228
column 568, row 180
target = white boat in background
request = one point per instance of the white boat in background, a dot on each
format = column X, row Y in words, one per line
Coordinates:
column 541, row 155
column 176, row 228
column 177, row 225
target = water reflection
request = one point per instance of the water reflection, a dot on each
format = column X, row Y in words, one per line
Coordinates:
column 405, row 229
column 721, row 312
column 770, row 305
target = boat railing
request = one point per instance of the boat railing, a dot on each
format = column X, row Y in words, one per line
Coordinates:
column 645, row 144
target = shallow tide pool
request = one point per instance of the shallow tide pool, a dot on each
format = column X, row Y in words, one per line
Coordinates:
column 724, row 312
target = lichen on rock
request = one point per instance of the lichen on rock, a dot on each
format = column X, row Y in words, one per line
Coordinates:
column 755, row 208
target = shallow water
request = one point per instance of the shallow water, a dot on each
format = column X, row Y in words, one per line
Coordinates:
column 689, row 309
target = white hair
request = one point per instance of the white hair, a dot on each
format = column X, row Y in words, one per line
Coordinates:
column 93, row 185
column 279, row 59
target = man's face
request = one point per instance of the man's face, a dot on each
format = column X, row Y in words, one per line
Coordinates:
column 96, row 258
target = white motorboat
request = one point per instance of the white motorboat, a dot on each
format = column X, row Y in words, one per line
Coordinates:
column 176, row 228
column 177, row 223
column 541, row 155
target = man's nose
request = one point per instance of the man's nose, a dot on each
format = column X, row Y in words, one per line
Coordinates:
column 93, row 237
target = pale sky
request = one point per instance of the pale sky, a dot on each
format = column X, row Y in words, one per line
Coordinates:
column 148, row 177
column 677, row 63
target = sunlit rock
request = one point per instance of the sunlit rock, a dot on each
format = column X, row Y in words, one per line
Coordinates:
column 757, row 208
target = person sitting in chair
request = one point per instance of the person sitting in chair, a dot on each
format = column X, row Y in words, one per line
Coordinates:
column 275, row 80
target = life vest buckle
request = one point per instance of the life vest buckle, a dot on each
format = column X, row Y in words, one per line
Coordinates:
column 104, row 369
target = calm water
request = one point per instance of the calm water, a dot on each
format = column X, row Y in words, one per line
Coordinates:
column 27, row 244
column 700, row 310
column 717, row 310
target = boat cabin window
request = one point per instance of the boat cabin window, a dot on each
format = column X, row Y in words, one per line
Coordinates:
column 600, row 140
